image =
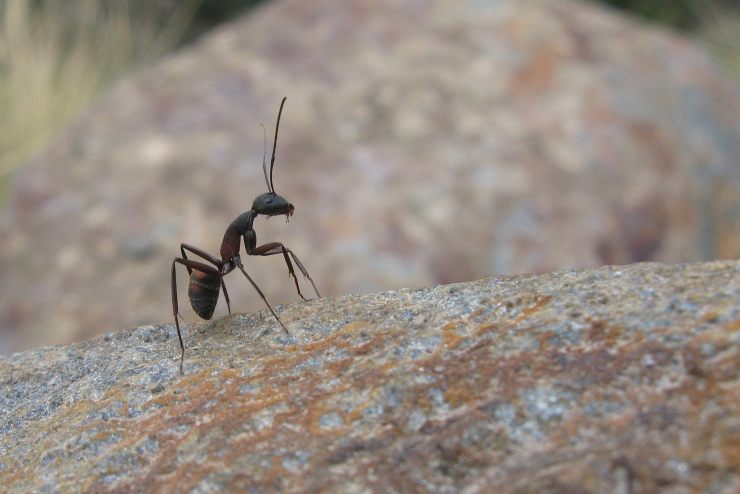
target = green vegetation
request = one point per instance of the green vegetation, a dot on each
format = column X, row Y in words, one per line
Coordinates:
column 676, row 13
column 720, row 32
column 714, row 23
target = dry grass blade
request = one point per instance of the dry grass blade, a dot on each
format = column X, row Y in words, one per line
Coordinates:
column 56, row 56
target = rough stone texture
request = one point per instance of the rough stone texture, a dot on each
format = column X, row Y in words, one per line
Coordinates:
column 619, row 379
column 423, row 142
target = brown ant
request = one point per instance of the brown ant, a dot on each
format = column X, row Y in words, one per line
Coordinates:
column 206, row 281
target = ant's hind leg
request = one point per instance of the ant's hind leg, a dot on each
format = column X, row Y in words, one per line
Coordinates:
column 176, row 313
column 201, row 253
column 190, row 265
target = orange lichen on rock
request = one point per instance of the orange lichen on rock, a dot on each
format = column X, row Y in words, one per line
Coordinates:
column 505, row 389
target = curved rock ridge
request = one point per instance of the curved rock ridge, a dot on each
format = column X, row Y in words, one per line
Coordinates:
column 618, row 379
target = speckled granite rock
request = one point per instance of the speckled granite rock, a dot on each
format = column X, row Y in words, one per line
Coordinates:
column 423, row 142
column 619, row 379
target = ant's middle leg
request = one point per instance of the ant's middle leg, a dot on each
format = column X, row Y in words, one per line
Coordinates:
column 272, row 248
column 241, row 268
column 226, row 295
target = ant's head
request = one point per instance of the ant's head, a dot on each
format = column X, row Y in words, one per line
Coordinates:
column 270, row 203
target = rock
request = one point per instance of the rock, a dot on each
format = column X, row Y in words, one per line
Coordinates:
column 445, row 142
column 618, row 379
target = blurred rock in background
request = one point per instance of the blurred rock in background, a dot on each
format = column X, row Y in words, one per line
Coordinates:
column 422, row 142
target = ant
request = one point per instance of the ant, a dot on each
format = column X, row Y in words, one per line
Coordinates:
column 206, row 281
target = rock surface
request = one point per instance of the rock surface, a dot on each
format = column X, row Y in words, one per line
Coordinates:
column 619, row 379
column 423, row 142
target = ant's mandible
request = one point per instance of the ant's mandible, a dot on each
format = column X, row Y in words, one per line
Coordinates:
column 206, row 281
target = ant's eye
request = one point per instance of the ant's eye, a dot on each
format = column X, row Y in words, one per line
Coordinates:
column 269, row 201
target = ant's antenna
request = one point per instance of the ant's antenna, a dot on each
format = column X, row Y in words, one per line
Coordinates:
column 264, row 155
column 274, row 144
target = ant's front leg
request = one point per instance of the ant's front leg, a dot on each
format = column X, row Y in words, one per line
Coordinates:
column 273, row 248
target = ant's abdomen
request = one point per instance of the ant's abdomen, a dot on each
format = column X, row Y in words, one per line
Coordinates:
column 203, row 293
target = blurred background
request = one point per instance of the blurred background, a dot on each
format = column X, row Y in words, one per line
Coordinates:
column 422, row 142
